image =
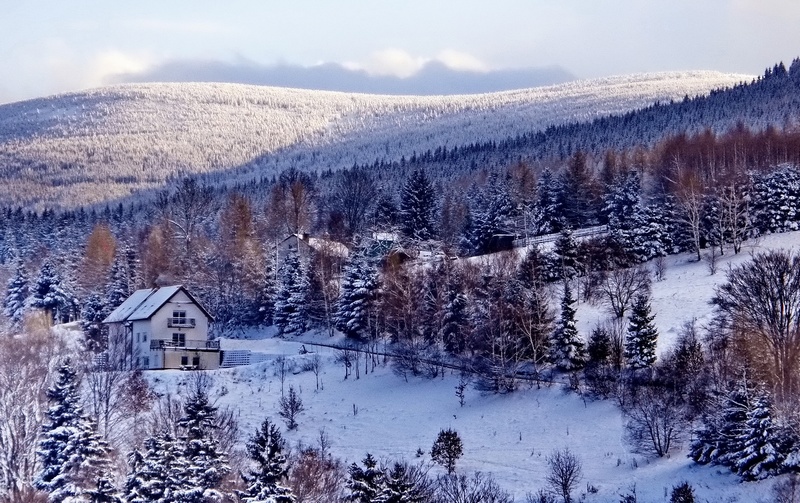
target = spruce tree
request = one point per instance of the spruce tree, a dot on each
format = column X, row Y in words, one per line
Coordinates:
column 642, row 335
column 74, row 459
column 548, row 193
column 759, row 456
column 204, row 464
column 92, row 315
column 291, row 300
column 399, row 487
column 49, row 294
column 364, row 484
column 566, row 251
column 418, row 207
column 154, row 474
column 16, row 296
column 263, row 482
column 354, row 307
column 454, row 319
column 567, row 350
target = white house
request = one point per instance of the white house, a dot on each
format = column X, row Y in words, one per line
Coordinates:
column 167, row 328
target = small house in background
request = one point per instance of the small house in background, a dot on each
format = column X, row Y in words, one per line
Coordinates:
column 305, row 244
column 167, row 328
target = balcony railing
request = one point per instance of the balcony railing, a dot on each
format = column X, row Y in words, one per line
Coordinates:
column 190, row 344
column 180, row 322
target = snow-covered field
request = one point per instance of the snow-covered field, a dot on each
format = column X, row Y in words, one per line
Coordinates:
column 508, row 436
column 106, row 143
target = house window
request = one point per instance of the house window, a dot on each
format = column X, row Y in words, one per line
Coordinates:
column 144, row 336
column 138, row 335
column 184, row 360
column 145, row 362
column 179, row 339
column 179, row 317
column 196, row 361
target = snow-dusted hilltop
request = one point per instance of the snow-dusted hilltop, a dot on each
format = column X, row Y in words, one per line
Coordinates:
column 106, row 143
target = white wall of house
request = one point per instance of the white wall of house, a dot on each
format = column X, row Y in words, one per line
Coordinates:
column 141, row 335
column 179, row 302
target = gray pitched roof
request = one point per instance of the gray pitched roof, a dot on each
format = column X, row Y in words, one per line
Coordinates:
column 142, row 304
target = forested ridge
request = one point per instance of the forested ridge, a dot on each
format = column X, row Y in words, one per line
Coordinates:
column 381, row 253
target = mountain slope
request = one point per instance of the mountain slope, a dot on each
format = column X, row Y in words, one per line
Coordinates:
column 87, row 147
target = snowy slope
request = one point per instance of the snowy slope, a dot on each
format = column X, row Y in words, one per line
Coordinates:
column 105, row 143
column 506, row 435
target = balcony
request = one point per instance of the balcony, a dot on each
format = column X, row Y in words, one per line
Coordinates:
column 188, row 345
column 180, row 322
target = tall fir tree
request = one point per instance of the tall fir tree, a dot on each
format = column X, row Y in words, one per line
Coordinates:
column 548, row 203
column 93, row 312
column 759, row 456
column 49, row 294
column 567, row 348
column 264, row 481
column 291, row 299
column 16, row 296
column 642, row 335
column 454, row 318
column 577, row 195
column 418, row 207
column 205, row 465
column 155, row 474
column 567, row 264
column 355, row 304
column 73, row 457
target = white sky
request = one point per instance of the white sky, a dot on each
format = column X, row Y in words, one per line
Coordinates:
column 51, row 46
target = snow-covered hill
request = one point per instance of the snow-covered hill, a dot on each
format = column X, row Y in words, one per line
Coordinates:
column 106, row 143
column 508, row 436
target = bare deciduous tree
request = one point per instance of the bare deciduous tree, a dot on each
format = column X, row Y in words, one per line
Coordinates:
column 473, row 489
column 656, row 420
column 316, row 477
column 26, row 367
column 565, row 473
column 761, row 302
column 621, row 286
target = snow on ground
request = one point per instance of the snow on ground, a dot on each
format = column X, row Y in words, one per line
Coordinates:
column 508, row 436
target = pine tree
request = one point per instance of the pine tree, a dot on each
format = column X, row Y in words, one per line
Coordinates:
column 16, row 296
column 291, row 299
column 599, row 348
column 447, row 449
column 118, row 288
column 719, row 438
column 622, row 209
column 49, row 294
column 364, row 484
column 354, row 307
column 204, row 464
column 759, row 456
column 548, row 192
column 682, row 493
column 92, row 315
column 152, row 474
column 566, row 252
column 399, row 487
column 642, row 336
column 577, row 192
column 454, row 319
column 74, row 459
column 263, row 482
column 567, row 351
column 418, row 207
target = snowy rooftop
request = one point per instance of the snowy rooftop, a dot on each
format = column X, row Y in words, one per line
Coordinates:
column 142, row 304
